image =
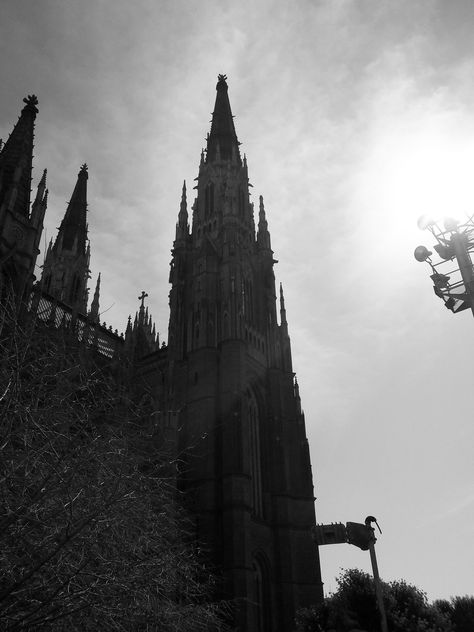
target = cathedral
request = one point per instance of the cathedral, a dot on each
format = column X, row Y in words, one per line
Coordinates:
column 223, row 383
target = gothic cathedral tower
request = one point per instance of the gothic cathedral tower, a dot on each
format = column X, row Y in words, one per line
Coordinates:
column 243, row 449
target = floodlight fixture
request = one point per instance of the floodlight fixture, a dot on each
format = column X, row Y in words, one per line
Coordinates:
column 422, row 253
column 445, row 252
column 455, row 243
column 451, row 224
column 425, row 221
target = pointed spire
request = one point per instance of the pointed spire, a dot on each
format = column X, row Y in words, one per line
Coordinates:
column 41, row 187
column 183, row 211
column 72, row 233
column 16, row 160
column 283, row 320
column 66, row 266
column 141, row 337
column 263, row 236
column 182, row 228
column 222, row 143
column 38, row 208
column 94, row 311
column 297, row 396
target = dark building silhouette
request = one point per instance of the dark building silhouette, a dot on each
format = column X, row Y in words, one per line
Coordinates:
column 223, row 389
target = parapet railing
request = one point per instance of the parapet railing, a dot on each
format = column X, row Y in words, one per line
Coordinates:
column 56, row 314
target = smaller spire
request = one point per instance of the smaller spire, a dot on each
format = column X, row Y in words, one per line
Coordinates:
column 183, row 209
column 40, row 203
column 41, row 187
column 283, row 320
column 262, row 219
column 263, row 236
column 94, row 311
column 141, row 337
column 297, row 396
column 182, row 227
column 141, row 312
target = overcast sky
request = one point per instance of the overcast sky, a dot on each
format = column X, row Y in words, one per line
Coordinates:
column 356, row 117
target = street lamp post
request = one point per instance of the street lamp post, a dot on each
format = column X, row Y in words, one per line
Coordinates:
column 375, row 571
column 363, row 537
column 455, row 243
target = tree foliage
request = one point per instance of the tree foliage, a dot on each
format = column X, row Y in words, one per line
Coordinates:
column 91, row 534
column 353, row 608
column 460, row 611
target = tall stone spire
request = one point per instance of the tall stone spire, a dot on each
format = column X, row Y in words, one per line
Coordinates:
column 241, row 433
column 72, row 233
column 16, row 162
column 66, row 266
column 20, row 233
column 222, row 143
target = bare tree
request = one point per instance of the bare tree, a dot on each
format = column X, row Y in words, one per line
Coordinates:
column 91, row 533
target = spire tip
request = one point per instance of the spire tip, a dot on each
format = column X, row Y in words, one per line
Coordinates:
column 221, row 81
column 31, row 103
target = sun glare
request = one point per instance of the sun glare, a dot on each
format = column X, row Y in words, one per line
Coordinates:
column 418, row 170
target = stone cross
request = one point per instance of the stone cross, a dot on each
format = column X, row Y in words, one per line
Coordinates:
column 142, row 298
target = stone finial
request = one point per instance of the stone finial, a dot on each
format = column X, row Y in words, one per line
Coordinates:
column 31, row 103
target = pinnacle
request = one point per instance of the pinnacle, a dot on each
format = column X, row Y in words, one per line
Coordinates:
column 74, row 224
column 31, row 104
column 16, row 160
column 222, row 142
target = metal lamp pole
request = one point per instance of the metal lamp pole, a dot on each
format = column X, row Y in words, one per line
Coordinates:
column 460, row 246
column 375, row 571
column 363, row 537
column 455, row 243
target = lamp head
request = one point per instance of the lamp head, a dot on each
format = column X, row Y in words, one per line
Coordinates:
column 422, row 253
column 445, row 252
column 451, row 224
column 425, row 222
